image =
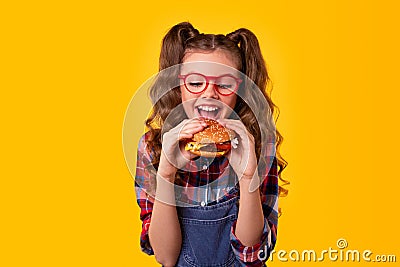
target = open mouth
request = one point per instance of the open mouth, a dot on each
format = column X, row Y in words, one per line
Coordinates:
column 211, row 112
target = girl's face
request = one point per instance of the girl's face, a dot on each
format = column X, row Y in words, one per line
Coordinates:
column 209, row 103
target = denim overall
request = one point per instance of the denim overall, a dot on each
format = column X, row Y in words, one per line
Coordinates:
column 206, row 235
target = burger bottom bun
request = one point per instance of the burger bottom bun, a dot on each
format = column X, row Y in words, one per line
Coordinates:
column 208, row 154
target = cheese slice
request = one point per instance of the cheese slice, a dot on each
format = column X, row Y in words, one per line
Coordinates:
column 194, row 146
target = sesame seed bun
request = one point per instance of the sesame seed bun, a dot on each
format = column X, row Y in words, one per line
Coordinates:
column 214, row 133
column 213, row 141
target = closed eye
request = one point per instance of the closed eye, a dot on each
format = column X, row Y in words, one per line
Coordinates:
column 225, row 86
column 196, row 84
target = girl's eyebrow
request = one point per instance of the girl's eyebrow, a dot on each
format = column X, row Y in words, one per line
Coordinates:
column 199, row 72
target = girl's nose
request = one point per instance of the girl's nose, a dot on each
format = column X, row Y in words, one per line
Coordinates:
column 210, row 91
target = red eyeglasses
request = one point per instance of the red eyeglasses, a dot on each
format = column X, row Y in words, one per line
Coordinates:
column 197, row 83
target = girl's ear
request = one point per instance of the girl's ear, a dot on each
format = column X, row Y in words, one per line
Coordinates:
column 173, row 44
column 253, row 64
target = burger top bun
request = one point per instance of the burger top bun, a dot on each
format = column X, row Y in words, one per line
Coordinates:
column 214, row 133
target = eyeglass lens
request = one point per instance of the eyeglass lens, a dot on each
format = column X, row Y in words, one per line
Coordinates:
column 197, row 83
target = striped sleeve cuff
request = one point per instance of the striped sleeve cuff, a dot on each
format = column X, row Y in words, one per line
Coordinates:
column 144, row 238
column 254, row 255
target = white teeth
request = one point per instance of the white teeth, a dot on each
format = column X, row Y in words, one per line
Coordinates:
column 207, row 108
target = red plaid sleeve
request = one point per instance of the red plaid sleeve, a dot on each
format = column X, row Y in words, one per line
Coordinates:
column 258, row 254
column 143, row 185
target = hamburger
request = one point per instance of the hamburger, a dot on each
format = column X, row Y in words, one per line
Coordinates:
column 213, row 141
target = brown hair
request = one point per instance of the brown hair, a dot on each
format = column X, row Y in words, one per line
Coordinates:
column 244, row 48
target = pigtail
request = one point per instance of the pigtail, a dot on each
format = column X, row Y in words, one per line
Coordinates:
column 173, row 44
column 163, row 92
column 253, row 65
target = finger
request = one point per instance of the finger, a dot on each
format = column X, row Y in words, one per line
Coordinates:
column 185, row 136
column 246, row 140
column 192, row 130
column 186, row 126
column 233, row 123
column 189, row 123
column 189, row 133
column 178, row 127
column 192, row 126
column 239, row 128
column 196, row 122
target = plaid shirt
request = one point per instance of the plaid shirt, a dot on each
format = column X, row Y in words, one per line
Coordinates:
column 206, row 183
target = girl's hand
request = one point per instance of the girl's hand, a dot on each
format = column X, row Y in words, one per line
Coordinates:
column 173, row 155
column 242, row 158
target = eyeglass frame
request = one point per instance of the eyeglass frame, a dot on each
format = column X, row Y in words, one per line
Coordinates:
column 208, row 78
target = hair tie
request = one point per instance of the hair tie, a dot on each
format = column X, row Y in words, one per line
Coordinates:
column 234, row 37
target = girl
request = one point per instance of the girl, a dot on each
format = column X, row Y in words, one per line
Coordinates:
column 190, row 205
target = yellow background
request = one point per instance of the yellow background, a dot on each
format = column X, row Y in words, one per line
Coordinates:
column 70, row 69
